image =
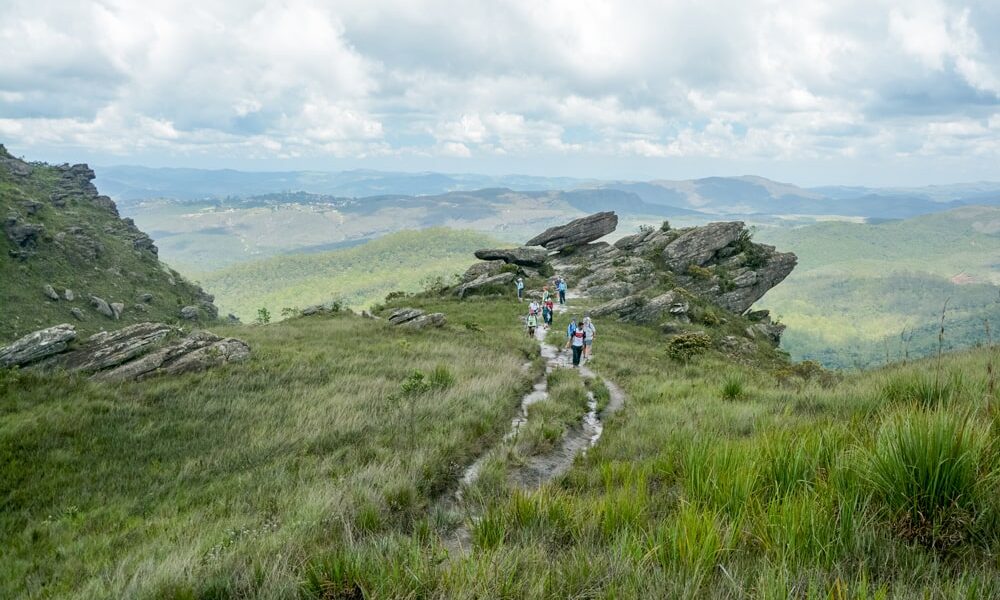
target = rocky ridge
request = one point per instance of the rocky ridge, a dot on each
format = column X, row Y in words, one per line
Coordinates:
column 74, row 257
column 653, row 276
column 132, row 353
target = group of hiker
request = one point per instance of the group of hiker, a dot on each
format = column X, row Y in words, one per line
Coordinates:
column 579, row 333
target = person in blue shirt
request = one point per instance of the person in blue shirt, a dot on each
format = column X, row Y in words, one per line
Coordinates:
column 561, row 286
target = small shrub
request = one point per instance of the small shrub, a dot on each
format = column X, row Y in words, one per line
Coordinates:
column 289, row 311
column 568, row 250
column 665, row 226
column 394, row 295
column 684, row 346
column 415, row 384
column 645, row 229
column 263, row 316
column 510, row 268
column 699, row 272
column 546, row 270
column 472, row 326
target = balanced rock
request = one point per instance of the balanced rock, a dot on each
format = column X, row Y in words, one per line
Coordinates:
column 577, row 232
column 37, row 345
column 50, row 292
column 524, row 257
column 751, row 283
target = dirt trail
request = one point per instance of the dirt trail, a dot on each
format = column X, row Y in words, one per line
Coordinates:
column 540, row 468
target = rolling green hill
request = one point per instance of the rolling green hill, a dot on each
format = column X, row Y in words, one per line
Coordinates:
column 59, row 232
column 862, row 291
column 357, row 276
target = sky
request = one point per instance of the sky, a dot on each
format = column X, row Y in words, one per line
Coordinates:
column 872, row 92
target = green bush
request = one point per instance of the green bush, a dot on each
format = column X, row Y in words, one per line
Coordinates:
column 546, row 270
column 928, row 471
column 699, row 272
column 441, row 377
column 684, row 346
column 665, row 226
column 263, row 316
column 510, row 268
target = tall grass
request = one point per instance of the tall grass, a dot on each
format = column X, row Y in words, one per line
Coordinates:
column 930, row 471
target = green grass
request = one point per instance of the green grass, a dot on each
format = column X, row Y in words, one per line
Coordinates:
column 406, row 261
column 301, row 473
column 120, row 273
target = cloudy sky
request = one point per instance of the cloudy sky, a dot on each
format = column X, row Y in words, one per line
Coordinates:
column 839, row 91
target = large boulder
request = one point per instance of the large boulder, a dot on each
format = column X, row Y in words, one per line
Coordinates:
column 37, row 345
column 524, row 257
column 698, row 245
column 749, row 284
column 480, row 283
column 101, row 305
column 414, row 318
column 577, row 232
column 487, row 268
column 109, row 349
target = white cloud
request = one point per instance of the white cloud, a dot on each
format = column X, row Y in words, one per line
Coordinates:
column 723, row 80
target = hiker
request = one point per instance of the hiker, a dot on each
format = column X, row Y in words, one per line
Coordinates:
column 532, row 322
column 533, row 308
column 519, row 284
column 547, row 306
column 577, row 339
column 588, row 343
column 561, row 286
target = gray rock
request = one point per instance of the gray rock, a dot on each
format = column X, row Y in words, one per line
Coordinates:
column 37, row 345
column 76, row 312
column 577, row 232
column 620, row 307
column 31, row 207
column 638, row 309
column 141, row 307
column 501, row 280
column 68, row 295
column 751, row 285
column 107, row 204
column 698, row 245
column 402, row 315
column 105, row 350
column 191, row 313
column 524, row 257
column 482, row 269
column 198, row 351
column 23, row 236
column 232, row 319
column 146, row 297
column 144, row 243
column 101, row 306
column 425, row 321
column 50, row 292
column 117, row 308
column 320, row 309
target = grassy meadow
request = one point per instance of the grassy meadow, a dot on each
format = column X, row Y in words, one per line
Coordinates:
column 320, row 469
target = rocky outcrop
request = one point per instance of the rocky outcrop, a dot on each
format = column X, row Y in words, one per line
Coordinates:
column 698, row 245
column 484, row 282
column 523, row 256
column 414, row 318
column 190, row 313
column 37, row 345
column 487, row 268
column 576, row 233
column 749, row 284
column 23, row 236
column 639, row 309
column 132, row 353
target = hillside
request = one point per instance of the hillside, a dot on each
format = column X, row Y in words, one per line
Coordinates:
column 323, row 467
column 359, row 276
column 865, row 291
column 66, row 256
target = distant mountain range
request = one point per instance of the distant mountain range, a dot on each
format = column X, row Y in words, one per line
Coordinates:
column 711, row 197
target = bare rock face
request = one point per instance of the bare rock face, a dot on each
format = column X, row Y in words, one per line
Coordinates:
column 750, row 284
column 37, row 345
column 131, row 353
column 576, row 233
column 480, row 283
column 414, row 318
column 487, row 268
column 524, row 257
column 698, row 245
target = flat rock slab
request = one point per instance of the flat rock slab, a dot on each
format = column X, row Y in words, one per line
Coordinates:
column 37, row 345
column 577, row 232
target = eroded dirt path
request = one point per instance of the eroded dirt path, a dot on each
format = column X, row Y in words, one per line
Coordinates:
column 540, row 468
